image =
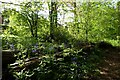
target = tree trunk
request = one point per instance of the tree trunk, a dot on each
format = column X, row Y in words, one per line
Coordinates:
column 53, row 18
column 75, row 14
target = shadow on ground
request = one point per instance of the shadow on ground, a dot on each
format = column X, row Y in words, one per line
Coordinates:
column 110, row 66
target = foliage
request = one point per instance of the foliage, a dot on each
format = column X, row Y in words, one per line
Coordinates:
column 22, row 75
column 69, row 64
column 65, row 50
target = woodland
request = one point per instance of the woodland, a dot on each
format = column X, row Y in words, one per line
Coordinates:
column 60, row 40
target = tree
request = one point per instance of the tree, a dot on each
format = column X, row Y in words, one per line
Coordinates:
column 31, row 16
column 53, row 18
column 75, row 13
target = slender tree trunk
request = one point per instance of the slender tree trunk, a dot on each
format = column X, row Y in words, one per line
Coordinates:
column 51, row 21
column 31, row 28
column 75, row 14
column 53, row 18
column 36, row 22
column 33, row 24
column 87, row 21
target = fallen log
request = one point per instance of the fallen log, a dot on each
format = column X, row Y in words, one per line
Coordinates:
column 25, row 64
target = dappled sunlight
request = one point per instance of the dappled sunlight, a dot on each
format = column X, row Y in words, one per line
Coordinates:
column 110, row 68
column 60, row 40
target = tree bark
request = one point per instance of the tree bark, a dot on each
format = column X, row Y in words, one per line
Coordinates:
column 53, row 18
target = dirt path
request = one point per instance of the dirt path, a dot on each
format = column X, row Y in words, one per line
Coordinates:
column 110, row 66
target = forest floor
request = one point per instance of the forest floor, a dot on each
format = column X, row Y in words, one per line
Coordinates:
column 110, row 65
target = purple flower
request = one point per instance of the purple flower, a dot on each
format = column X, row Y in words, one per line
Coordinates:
column 34, row 50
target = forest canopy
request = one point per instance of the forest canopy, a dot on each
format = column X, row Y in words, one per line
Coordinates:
column 92, row 21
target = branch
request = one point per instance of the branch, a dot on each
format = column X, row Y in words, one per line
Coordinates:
column 10, row 3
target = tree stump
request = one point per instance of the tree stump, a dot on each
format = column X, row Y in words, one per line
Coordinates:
column 8, row 57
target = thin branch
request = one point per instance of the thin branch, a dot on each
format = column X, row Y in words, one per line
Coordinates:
column 11, row 3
